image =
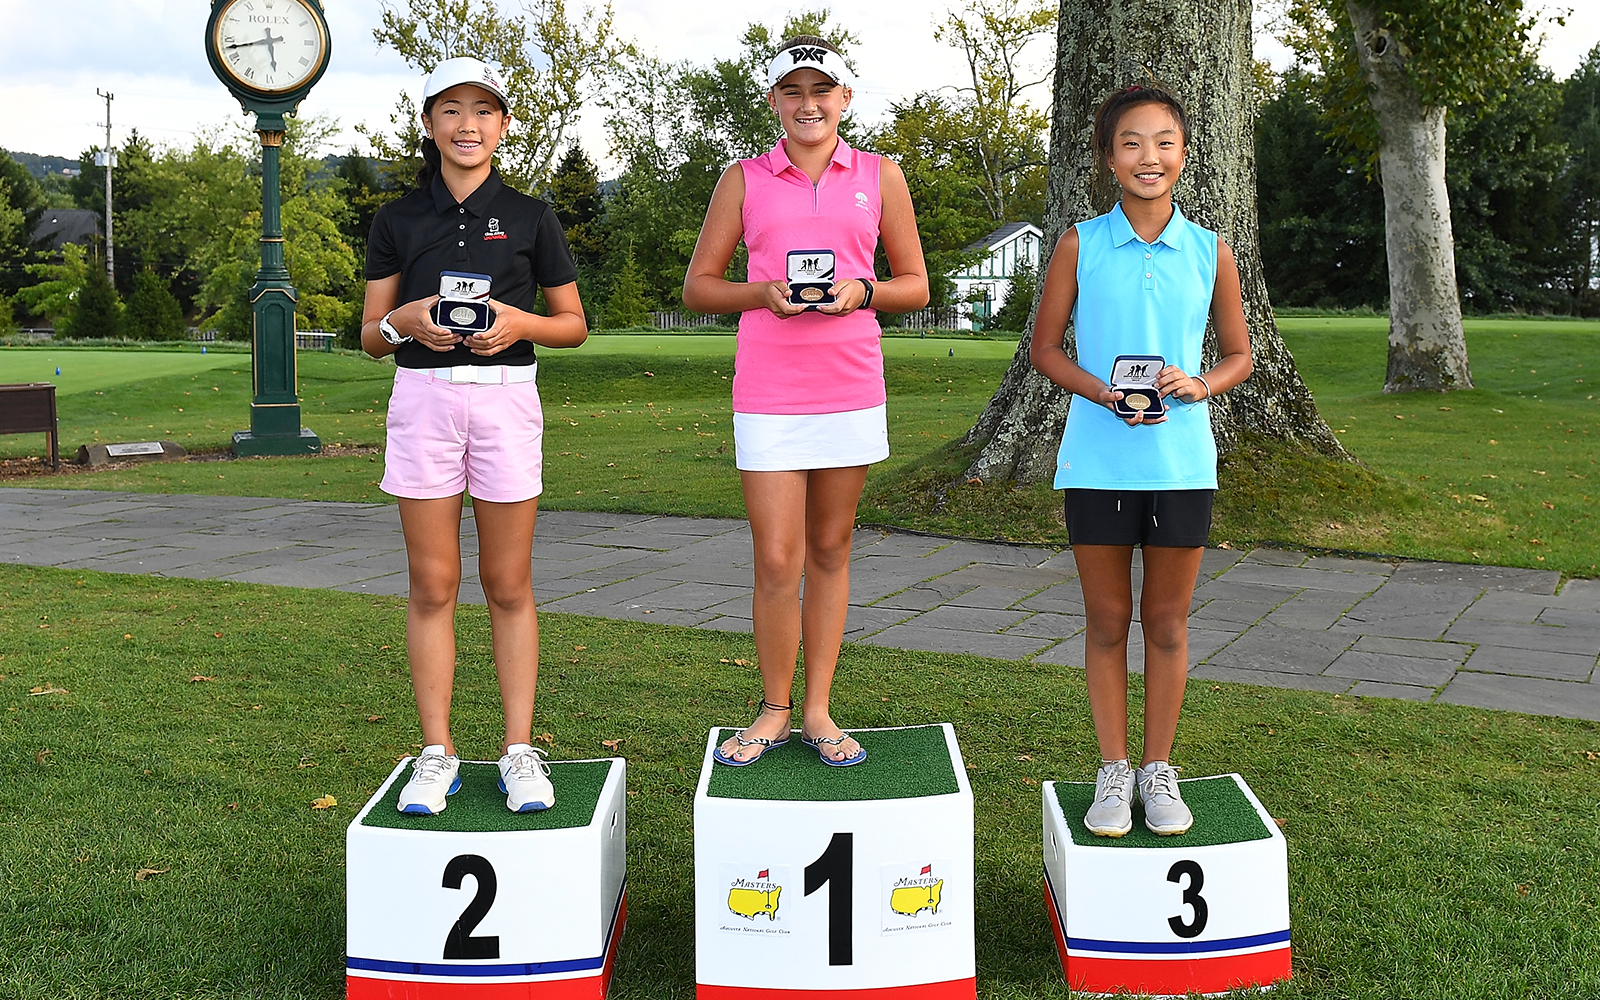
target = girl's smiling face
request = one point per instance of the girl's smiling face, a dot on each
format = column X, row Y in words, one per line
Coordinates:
column 809, row 104
column 467, row 124
column 1148, row 151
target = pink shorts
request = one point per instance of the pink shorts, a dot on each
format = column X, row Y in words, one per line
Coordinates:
column 445, row 438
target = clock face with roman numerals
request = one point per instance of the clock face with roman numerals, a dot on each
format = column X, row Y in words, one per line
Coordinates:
column 270, row 46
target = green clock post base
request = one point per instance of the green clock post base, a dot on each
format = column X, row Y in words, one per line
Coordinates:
column 247, row 444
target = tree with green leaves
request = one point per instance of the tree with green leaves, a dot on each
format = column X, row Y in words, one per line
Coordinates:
column 1322, row 235
column 54, row 290
column 1394, row 69
column 930, row 139
column 974, row 154
column 575, row 198
column 554, row 64
column 96, row 310
column 322, row 264
column 22, row 204
column 627, row 305
column 1507, row 176
column 153, row 312
column 1012, row 316
column 1579, row 121
column 1004, row 133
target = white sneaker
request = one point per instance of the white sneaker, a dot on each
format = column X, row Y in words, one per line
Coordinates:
column 525, row 778
column 1111, row 815
column 1164, row 811
column 434, row 775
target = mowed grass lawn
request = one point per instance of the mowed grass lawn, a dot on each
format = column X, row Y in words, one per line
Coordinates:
column 162, row 742
column 1502, row 474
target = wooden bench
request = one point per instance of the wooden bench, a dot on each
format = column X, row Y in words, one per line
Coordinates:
column 31, row 409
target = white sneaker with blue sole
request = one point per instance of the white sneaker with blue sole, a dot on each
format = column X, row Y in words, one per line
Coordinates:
column 525, row 778
column 435, row 775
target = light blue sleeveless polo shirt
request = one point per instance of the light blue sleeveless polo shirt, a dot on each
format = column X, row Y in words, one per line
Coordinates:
column 1140, row 298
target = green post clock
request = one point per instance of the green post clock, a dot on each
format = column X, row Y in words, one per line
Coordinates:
column 269, row 53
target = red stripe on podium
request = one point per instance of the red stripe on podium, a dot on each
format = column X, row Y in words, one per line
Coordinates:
column 1179, row 976
column 1055, row 924
column 587, row 988
column 954, row 989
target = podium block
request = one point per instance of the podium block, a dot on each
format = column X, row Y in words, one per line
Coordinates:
column 1204, row 912
column 480, row 903
column 817, row 881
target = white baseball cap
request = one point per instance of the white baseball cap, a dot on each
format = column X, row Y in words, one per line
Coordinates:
column 829, row 64
column 465, row 69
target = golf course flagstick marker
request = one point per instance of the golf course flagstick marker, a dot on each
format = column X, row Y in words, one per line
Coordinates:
column 480, row 903
column 812, row 881
column 1204, row 912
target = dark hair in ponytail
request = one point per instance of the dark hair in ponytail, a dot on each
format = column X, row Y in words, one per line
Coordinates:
column 432, row 159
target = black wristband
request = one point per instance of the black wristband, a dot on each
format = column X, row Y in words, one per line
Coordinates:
column 867, row 302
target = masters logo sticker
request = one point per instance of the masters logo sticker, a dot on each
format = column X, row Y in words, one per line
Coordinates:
column 914, row 896
column 755, row 899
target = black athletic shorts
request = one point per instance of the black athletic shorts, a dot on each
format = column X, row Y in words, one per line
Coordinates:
column 1174, row 518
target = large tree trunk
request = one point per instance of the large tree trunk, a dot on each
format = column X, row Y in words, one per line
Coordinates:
column 1427, row 348
column 1203, row 52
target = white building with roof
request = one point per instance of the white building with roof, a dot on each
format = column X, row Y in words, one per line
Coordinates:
column 981, row 289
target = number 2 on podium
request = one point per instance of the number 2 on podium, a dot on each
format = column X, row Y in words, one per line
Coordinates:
column 835, row 868
column 460, row 943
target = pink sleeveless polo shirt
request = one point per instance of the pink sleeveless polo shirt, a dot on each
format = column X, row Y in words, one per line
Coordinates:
column 811, row 363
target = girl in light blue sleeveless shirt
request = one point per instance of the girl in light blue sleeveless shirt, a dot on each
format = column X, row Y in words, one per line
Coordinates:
column 1137, row 461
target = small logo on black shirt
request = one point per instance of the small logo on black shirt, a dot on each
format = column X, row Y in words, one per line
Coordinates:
column 494, row 232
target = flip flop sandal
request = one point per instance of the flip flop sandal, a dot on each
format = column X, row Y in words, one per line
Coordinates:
column 765, row 744
column 816, row 744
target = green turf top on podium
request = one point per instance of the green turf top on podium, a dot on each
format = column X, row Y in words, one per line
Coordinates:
column 480, row 805
column 904, row 763
column 1223, row 814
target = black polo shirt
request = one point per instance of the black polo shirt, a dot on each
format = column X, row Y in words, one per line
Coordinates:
column 515, row 239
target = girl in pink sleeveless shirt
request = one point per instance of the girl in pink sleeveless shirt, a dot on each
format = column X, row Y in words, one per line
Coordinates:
column 808, row 394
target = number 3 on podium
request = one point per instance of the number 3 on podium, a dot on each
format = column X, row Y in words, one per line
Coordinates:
column 1191, row 898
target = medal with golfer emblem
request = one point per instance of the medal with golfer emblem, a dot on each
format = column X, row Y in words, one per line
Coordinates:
column 810, row 275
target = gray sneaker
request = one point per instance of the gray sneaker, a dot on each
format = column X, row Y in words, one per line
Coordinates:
column 1112, row 812
column 1164, row 811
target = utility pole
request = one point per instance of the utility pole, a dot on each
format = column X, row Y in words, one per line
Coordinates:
column 110, row 156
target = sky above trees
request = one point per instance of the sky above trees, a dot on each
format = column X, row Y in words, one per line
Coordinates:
column 149, row 53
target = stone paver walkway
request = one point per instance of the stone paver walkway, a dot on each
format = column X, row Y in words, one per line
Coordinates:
column 1487, row 636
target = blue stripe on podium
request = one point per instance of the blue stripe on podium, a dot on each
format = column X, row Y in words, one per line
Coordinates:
column 1177, row 947
column 512, row 969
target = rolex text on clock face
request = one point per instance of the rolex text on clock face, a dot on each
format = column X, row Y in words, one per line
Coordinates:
column 270, row 46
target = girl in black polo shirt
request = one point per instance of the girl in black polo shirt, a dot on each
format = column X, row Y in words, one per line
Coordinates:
column 465, row 413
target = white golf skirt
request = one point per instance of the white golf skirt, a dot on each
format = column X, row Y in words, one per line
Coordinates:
column 787, row 442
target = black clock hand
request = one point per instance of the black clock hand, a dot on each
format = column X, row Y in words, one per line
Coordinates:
column 270, row 53
column 246, row 45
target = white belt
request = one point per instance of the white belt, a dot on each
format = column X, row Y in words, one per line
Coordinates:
column 483, row 374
